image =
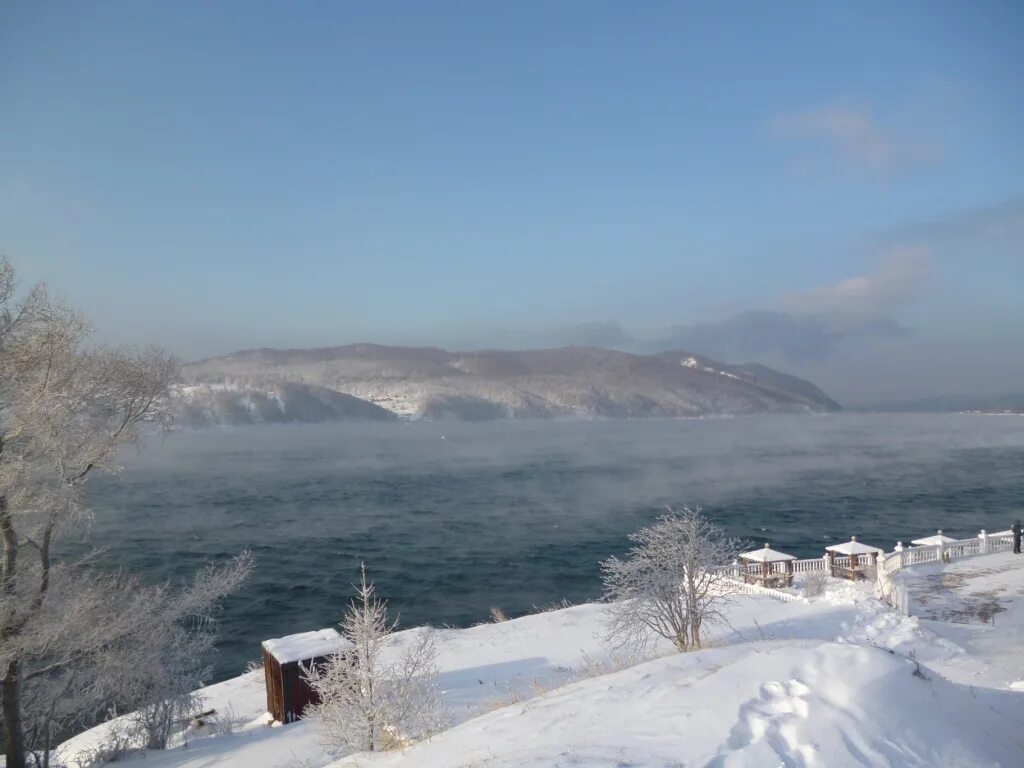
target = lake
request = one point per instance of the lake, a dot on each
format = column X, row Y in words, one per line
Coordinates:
column 453, row 518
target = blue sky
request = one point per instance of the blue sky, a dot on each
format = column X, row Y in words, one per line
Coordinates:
column 211, row 176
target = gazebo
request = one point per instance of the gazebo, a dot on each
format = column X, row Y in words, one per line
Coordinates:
column 759, row 567
column 850, row 565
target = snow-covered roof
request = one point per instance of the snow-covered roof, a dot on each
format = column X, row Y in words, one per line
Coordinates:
column 303, row 646
column 1007, row 532
column 852, row 547
column 766, row 555
column 933, row 541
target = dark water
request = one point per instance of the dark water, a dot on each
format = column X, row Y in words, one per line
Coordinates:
column 454, row 518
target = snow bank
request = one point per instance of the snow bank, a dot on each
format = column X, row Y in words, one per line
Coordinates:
column 791, row 703
column 820, row 682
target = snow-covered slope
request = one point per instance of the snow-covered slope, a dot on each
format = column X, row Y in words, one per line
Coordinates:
column 833, row 681
column 236, row 401
column 787, row 703
column 572, row 381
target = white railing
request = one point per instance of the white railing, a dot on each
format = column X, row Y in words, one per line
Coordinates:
column 891, row 562
column 810, row 566
column 757, row 589
column 905, row 557
column 999, row 544
column 962, row 548
column 757, row 569
column 888, row 564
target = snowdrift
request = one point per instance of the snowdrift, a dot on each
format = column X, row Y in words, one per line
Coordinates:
column 769, row 704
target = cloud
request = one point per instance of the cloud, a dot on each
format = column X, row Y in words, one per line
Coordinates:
column 808, row 326
column 999, row 222
column 770, row 334
column 843, row 139
column 897, row 279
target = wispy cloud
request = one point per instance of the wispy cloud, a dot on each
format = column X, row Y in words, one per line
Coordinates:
column 1002, row 222
column 896, row 279
column 845, row 139
column 767, row 335
column 808, row 326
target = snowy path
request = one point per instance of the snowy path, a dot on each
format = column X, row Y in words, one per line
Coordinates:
column 978, row 604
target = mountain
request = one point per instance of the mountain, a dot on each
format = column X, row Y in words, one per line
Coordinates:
column 368, row 381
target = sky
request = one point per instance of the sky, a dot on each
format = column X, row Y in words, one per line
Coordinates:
column 833, row 189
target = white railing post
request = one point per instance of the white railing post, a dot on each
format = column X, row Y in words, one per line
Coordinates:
column 942, row 548
column 983, row 542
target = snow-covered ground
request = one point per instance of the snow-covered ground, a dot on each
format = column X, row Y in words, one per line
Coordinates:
column 978, row 604
column 839, row 680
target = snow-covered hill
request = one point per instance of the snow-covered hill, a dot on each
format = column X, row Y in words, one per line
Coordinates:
column 789, row 703
column 233, row 401
column 433, row 383
column 838, row 680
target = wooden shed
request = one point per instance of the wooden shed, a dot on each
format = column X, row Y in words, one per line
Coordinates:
column 288, row 694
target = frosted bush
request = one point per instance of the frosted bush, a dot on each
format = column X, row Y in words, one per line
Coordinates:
column 815, row 584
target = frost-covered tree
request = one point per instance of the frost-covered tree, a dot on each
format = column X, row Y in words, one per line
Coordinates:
column 368, row 703
column 672, row 583
column 120, row 645
column 66, row 632
column 163, row 660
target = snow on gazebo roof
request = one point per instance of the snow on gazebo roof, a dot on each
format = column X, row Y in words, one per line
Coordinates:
column 766, row 555
column 853, row 547
column 304, row 646
column 932, row 541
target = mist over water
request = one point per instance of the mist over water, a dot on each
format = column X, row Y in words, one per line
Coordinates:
column 453, row 518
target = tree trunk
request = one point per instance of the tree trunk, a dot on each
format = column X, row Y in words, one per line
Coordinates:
column 10, row 544
column 14, row 738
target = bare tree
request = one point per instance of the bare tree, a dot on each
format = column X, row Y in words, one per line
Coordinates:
column 367, row 703
column 672, row 584
column 65, row 409
column 163, row 661
column 129, row 646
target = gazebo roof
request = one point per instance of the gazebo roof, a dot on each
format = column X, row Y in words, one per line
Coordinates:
column 766, row 555
column 932, row 541
column 852, row 547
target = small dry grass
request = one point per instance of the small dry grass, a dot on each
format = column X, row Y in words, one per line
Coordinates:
column 616, row 662
column 556, row 606
column 498, row 615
